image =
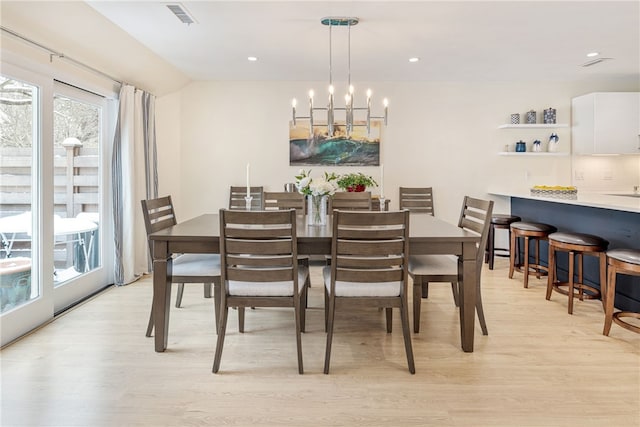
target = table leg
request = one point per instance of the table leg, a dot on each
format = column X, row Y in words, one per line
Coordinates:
column 467, row 270
column 162, row 264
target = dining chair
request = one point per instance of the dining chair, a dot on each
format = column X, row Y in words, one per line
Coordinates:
column 368, row 268
column 186, row 268
column 237, row 196
column 417, row 199
column 275, row 200
column 258, row 251
column 350, row 200
column 475, row 217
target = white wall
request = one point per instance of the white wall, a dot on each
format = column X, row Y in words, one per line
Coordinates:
column 440, row 134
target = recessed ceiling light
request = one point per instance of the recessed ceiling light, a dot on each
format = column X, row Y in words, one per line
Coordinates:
column 252, row 58
column 592, row 54
column 414, row 59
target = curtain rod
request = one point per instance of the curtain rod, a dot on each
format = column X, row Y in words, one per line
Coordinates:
column 55, row 53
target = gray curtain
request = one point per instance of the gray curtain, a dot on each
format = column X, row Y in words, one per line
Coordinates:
column 135, row 177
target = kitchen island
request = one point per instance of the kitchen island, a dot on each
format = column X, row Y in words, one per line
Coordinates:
column 614, row 216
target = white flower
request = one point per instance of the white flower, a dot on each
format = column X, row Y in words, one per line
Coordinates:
column 304, row 183
column 321, row 187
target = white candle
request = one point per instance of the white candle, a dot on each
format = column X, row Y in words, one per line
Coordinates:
column 248, row 185
column 382, row 181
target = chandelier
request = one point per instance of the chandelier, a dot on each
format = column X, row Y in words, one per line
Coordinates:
column 349, row 107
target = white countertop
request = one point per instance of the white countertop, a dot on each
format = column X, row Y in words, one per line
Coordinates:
column 605, row 200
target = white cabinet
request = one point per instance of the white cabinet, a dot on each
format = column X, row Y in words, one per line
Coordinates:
column 606, row 123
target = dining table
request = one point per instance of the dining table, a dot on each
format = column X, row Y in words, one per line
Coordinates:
column 427, row 236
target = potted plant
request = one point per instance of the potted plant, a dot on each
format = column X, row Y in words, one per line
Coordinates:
column 356, row 181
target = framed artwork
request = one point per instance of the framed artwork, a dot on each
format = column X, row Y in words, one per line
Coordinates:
column 357, row 149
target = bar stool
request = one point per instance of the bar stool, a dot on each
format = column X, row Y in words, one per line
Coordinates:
column 535, row 231
column 498, row 221
column 620, row 261
column 576, row 244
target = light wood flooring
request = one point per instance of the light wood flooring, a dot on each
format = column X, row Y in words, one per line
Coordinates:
column 538, row 366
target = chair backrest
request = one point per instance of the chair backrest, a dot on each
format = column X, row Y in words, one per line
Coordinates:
column 258, row 246
column 237, row 195
column 275, row 200
column 370, row 247
column 417, row 199
column 158, row 215
column 347, row 200
column 476, row 218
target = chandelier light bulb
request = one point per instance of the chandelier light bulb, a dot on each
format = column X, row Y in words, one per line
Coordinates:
column 385, row 102
column 347, row 99
column 294, row 103
column 311, row 94
column 369, row 93
column 331, row 89
column 350, row 89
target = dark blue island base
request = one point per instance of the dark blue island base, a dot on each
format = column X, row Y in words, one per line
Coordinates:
column 620, row 228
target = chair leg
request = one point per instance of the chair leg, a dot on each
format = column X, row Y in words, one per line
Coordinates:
column 417, row 302
column 425, row 290
column 480, row 310
column 603, row 277
column 389, row 319
column 332, row 312
column 456, row 293
column 303, row 307
column 217, row 289
column 326, row 309
column 150, row 324
column 609, row 301
column 406, row 333
column 207, row 290
column 241, row 319
column 298, row 310
column 179, row 297
column 220, row 344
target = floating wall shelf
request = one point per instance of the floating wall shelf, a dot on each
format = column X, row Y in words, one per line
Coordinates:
column 534, row 126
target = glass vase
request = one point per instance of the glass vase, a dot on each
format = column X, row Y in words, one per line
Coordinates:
column 317, row 210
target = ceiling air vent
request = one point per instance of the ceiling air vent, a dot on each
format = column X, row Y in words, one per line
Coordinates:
column 182, row 14
column 595, row 61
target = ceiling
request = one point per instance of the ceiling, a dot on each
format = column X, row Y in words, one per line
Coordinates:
column 470, row 41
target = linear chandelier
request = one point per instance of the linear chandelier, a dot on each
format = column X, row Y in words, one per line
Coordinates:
column 349, row 107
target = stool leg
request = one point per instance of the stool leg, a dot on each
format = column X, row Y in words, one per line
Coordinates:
column 603, row 277
column 512, row 254
column 580, row 277
column 611, row 294
column 526, row 261
column 492, row 243
column 571, row 272
column 551, row 277
column 537, row 258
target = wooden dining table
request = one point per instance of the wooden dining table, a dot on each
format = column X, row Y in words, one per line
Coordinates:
column 427, row 235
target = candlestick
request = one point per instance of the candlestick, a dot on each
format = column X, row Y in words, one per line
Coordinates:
column 248, row 185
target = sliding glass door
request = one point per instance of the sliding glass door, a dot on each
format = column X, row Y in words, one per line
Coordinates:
column 53, row 198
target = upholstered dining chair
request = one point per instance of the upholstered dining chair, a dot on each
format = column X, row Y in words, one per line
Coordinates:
column 237, row 196
column 347, row 200
column 423, row 269
column 259, row 268
column 368, row 268
column 187, row 268
column 416, row 199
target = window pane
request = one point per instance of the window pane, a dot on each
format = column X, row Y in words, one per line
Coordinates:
column 17, row 124
column 76, row 129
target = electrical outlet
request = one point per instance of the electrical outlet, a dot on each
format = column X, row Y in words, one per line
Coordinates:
column 578, row 175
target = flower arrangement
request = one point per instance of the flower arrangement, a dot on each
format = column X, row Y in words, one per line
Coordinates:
column 356, row 181
column 325, row 186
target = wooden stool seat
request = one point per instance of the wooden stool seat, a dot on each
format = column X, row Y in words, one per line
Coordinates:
column 535, row 231
column 576, row 244
column 498, row 221
column 620, row 261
